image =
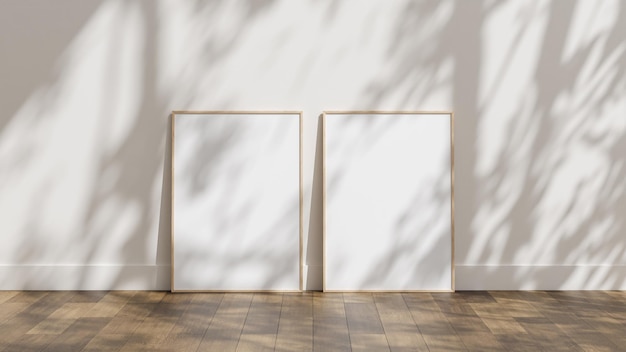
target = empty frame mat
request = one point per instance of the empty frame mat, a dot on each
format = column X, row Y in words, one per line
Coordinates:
column 388, row 201
column 236, row 201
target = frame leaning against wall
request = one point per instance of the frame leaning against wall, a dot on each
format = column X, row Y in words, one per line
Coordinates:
column 325, row 116
column 173, row 190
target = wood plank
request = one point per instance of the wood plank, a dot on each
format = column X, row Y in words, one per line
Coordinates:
column 433, row 324
column 128, row 319
column 595, row 342
column 146, row 297
column 256, row 342
column 261, row 326
column 519, row 342
column 106, row 343
column 547, row 334
column 179, row 298
column 122, row 325
column 78, row 335
column 515, row 321
column 169, row 310
column 149, row 334
column 180, row 342
column 401, row 331
column 132, row 309
column 51, row 327
column 29, row 297
column 368, row 342
column 468, row 325
column 118, row 296
column 16, row 328
column 7, row 295
column 9, row 310
column 503, row 325
column 197, row 317
column 225, row 328
column 42, row 308
column 614, row 329
column 71, row 310
column 481, row 341
column 363, row 318
column 28, row 343
column 104, row 309
column 586, row 336
column 295, row 328
column 358, row 297
column 88, row 296
column 364, row 325
column 158, row 327
column 330, row 327
column 264, row 314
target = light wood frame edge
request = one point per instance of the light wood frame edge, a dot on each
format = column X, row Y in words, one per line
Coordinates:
column 237, row 112
column 387, row 112
column 452, row 229
column 301, row 202
column 323, row 117
column 300, row 195
column 172, row 147
column 238, row 291
column 389, row 291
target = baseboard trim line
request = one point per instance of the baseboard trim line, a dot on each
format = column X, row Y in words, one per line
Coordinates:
column 85, row 277
column 540, row 277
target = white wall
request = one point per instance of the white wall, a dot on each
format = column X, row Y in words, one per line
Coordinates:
column 538, row 90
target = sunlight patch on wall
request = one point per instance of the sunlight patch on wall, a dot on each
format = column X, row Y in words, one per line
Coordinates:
column 550, row 138
column 51, row 149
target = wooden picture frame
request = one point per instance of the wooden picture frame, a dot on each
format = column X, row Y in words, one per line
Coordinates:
column 233, row 217
column 354, row 188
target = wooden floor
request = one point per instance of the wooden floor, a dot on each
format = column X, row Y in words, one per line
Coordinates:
column 160, row 321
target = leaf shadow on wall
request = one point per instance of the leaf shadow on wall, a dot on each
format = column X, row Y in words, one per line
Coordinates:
column 84, row 134
column 540, row 181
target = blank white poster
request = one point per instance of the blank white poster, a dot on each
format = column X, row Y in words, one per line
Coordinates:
column 388, row 202
column 236, row 201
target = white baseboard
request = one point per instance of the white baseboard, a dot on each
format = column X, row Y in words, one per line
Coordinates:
column 540, row 277
column 85, row 277
column 468, row 277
